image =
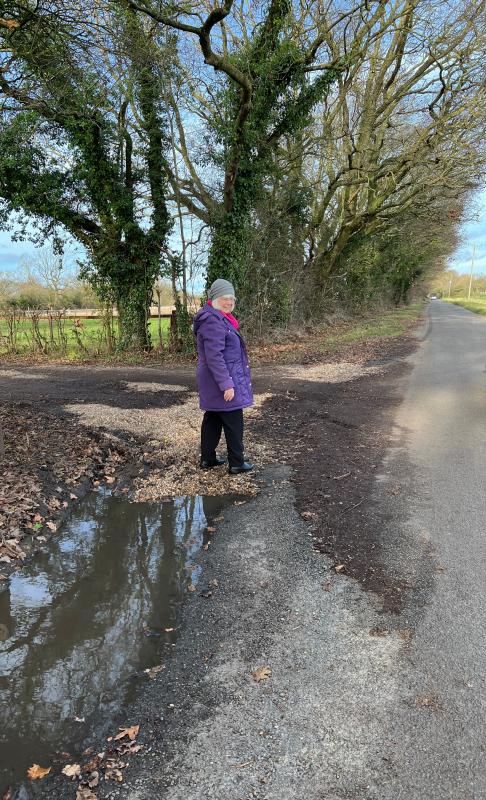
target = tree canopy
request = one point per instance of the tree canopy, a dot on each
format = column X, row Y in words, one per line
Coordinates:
column 311, row 152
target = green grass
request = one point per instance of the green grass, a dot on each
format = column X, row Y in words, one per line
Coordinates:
column 477, row 304
column 384, row 324
column 387, row 324
column 91, row 335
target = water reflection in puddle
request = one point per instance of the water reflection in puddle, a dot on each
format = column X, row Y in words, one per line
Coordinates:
column 86, row 616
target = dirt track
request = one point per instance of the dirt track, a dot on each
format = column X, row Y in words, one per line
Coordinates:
column 324, row 428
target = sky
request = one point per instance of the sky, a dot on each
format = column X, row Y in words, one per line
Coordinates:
column 472, row 233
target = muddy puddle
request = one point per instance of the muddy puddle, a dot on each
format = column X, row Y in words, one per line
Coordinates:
column 83, row 620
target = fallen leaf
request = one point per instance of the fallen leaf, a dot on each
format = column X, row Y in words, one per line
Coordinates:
column 308, row 515
column 110, row 479
column 52, row 527
column 84, row 793
column 115, row 763
column 113, row 774
column 405, row 634
column 130, row 732
column 10, row 24
column 261, row 674
column 214, row 583
column 206, row 546
column 169, row 630
column 428, row 701
column 129, row 747
column 190, row 588
column 93, row 780
column 153, row 671
column 92, row 765
column 210, row 529
column 71, row 770
column 36, row 771
column 340, row 567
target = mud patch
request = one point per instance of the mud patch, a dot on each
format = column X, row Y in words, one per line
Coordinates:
column 335, row 436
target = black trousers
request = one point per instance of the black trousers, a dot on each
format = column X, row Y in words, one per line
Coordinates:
column 212, row 426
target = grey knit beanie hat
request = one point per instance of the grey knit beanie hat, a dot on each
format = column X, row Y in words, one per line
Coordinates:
column 220, row 288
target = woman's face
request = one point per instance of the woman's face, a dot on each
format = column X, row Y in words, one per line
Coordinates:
column 226, row 304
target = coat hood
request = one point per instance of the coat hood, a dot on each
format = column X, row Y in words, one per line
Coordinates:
column 201, row 316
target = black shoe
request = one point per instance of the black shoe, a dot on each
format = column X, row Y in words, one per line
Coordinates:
column 245, row 467
column 218, row 462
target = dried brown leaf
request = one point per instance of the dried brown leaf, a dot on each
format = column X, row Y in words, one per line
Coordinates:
column 113, row 774
column 93, row 780
column 130, row 732
column 261, row 674
column 71, row 770
column 35, row 772
column 92, row 765
column 84, row 793
column 153, row 671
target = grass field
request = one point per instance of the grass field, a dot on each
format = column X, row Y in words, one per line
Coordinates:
column 384, row 324
column 476, row 304
column 91, row 336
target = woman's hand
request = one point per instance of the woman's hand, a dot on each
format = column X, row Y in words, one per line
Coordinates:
column 229, row 394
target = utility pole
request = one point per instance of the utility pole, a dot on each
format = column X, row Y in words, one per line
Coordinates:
column 472, row 268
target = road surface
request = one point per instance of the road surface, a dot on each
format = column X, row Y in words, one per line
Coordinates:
column 441, row 458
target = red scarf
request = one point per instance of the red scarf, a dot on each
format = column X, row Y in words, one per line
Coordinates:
column 234, row 322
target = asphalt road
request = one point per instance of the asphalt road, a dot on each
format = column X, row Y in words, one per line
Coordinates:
column 440, row 462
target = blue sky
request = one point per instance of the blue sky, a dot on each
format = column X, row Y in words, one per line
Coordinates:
column 474, row 232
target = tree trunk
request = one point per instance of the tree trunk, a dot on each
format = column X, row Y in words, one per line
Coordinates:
column 230, row 240
column 133, row 309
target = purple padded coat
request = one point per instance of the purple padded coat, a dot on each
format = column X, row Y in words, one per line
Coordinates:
column 222, row 362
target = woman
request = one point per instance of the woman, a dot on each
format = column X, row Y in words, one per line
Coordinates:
column 223, row 378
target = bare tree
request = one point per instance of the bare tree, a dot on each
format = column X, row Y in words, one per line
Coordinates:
column 403, row 128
